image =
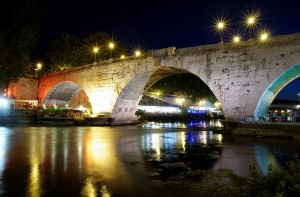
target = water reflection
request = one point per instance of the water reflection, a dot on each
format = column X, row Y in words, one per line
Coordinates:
column 4, row 140
column 183, row 139
column 205, row 124
column 105, row 192
column 122, row 161
column 37, row 149
column 202, row 124
column 159, row 145
column 89, row 189
column 264, row 158
column 99, row 156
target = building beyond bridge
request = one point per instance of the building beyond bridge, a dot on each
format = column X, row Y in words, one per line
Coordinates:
column 245, row 79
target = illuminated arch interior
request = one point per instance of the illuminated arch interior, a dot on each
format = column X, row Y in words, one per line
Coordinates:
column 132, row 93
column 67, row 93
column 135, row 88
column 274, row 88
column 162, row 73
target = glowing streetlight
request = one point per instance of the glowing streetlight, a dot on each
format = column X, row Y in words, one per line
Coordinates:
column 250, row 23
column 220, row 25
column 38, row 66
column 122, row 57
column 236, row 39
column 264, row 37
column 250, row 20
column 95, row 51
column 220, row 28
column 111, row 45
column 138, row 53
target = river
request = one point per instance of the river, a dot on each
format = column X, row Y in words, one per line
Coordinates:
column 125, row 160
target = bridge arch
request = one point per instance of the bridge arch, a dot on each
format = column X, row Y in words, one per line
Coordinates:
column 67, row 93
column 274, row 88
column 127, row 102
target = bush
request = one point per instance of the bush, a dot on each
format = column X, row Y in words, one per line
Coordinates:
column 275, row 183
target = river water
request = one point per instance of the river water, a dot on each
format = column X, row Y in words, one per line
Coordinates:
column 125, row 160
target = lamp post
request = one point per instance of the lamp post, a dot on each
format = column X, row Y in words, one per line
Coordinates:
column 299, row 97
column 111, row 46
column 137, row 53
column 95, row 51
column 236, row 39
column 220, row 28
column 250, row 23
column 264, row 37
column 38, row 67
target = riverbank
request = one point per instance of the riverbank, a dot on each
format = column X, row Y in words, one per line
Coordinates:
column 25, row 119
column 262, row 129
column 285, row 130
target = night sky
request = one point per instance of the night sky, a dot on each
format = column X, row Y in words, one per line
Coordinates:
column 159, row 24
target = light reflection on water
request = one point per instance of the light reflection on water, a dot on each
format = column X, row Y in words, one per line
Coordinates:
column 36, row 151
column 4, row 140
column 120, row 161
column 181, row 125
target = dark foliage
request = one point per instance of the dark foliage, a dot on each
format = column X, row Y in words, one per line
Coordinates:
column 187, row 85
column 19, row 22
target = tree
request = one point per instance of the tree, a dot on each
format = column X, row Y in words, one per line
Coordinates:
column 67, row 51
column 19, row 30
column 63, row 52
column 187, row 85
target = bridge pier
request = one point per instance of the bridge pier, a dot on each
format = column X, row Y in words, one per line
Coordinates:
column 123, row 121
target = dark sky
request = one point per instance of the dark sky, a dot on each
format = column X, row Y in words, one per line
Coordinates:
column 157, row 24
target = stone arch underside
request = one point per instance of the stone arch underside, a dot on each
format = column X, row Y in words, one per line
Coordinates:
column 274, row 88
column 62, row 93
column 127, row 102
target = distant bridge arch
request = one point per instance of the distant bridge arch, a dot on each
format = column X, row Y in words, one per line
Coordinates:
column 274, row 88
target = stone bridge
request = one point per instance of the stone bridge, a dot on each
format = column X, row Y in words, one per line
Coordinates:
column 245, row 78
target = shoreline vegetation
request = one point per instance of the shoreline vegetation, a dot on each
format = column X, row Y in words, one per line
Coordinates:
column 225, row 182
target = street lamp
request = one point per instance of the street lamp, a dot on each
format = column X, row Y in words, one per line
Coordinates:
column 111, row 46
column 122, row 57
column 264, row 36
column 137, row 53
column 250, row 23
column 236, row 39
column 299, row 96
column 95, row 51
column 38, row 67
column 220, row 28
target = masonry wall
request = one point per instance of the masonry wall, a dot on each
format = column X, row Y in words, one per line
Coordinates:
column 24, row 89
